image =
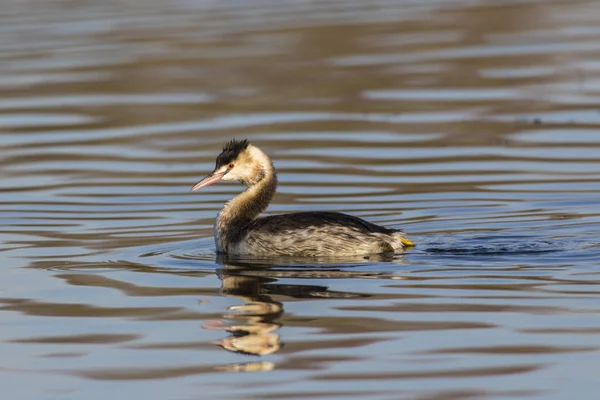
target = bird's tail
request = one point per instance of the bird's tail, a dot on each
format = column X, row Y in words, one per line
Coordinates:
column 406, row 243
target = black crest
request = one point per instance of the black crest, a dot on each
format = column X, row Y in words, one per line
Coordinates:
column 231, row 151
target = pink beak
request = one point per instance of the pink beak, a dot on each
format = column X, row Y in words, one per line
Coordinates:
column 208, row 180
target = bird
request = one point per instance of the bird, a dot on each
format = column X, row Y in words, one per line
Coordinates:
column 239, row 231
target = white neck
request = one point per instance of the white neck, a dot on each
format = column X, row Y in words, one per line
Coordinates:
column 242, row 209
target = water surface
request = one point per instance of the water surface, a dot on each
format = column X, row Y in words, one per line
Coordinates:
column 471, row 125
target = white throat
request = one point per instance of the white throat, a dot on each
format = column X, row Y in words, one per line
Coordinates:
column 242, row 209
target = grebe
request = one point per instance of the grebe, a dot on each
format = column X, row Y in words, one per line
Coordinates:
column 238, row 231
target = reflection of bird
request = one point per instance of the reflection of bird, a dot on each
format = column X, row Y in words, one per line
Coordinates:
column 256, row 331
column 253, row 326
column 238, row 231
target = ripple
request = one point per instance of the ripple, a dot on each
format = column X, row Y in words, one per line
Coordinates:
column 465, row 52
column 100, row 267
column 451, row 95
column 98, row 99
column 513, row 350
column 474, row 137
column 454, row 373
column 480, row 246
column 90, row 338
column 24, row 80
column 37, row 120
column 563, row 137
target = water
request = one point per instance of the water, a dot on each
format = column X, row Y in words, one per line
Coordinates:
column 473, row 125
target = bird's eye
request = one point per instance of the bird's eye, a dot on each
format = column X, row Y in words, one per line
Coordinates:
column 231, row 166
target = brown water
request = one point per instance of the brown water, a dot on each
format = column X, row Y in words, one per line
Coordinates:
column 474, row 125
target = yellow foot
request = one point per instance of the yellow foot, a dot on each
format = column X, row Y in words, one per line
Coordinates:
column 407, row 243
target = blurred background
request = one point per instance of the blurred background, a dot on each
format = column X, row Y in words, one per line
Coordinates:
column 473, row 125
